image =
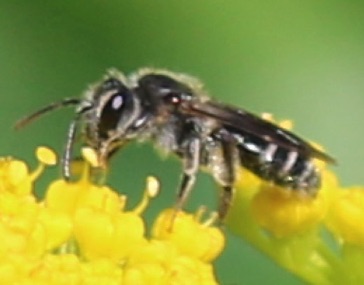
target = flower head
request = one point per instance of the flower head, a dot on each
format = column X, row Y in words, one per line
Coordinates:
column 293, row 227
column 81, row 234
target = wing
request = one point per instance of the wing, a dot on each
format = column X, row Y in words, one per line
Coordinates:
column 247, row 123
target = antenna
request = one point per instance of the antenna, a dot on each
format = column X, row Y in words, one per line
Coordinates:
column 51, row 107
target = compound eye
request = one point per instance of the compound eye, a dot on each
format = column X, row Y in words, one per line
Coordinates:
column 117, row 105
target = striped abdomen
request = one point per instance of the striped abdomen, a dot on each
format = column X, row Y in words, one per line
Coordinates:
column 282, row 166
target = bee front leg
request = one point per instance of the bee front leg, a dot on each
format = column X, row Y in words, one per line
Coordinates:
column 191, row 162
column 67, row 154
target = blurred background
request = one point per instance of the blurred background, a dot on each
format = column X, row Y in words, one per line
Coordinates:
column 301, row 60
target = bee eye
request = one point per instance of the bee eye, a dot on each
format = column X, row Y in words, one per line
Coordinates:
column 117, row 105
column 116, row 102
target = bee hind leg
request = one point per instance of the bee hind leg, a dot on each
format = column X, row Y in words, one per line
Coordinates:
column 225, row 177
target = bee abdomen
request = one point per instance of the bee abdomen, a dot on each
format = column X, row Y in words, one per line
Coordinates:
column 282, row 166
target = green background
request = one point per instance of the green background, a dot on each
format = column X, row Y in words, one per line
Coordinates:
column 302, row 60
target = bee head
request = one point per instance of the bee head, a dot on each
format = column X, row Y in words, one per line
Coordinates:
column 114, row 110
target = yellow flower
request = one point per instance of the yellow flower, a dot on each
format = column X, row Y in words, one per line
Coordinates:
column 346, row 216
column 319, row 238
column 81, row 234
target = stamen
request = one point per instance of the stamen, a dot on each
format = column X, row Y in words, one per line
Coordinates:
column 214, row 216
column 46, row 155
column 199, row 213
column 153, row 186
column 151, row 190
column 123, row 200
column 91, row 160
column 267, row 116
column 90, row 155
column 286, row 124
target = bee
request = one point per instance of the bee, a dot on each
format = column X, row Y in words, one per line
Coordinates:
column 173, row 111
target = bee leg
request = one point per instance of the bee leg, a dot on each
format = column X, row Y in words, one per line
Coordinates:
column 72, row 129
column 67, row 154
column 226, row 197
column 226, row 177
column 191, row 162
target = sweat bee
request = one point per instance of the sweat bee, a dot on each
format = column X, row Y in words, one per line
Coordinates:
column 174, row 112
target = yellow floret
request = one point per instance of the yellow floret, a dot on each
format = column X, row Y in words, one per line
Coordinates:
column 190, row 235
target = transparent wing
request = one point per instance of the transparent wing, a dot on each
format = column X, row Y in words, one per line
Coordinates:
column 244, row 122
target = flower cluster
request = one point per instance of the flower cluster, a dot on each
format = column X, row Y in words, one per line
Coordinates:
column 81, row 233
column 319, row 238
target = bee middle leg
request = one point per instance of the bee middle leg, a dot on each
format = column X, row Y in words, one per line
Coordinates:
column 191, row 162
